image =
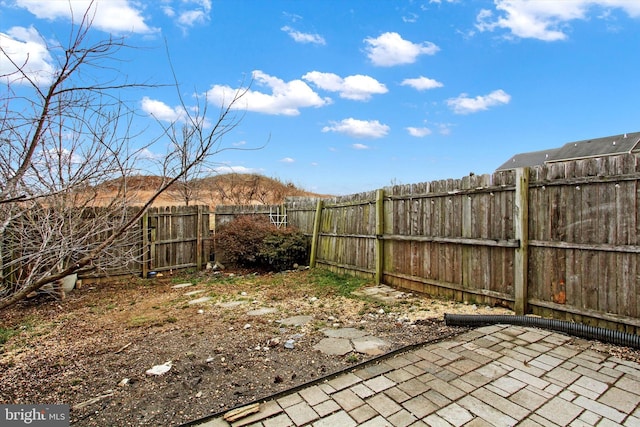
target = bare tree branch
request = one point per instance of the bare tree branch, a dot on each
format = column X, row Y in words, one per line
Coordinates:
column 65, row 140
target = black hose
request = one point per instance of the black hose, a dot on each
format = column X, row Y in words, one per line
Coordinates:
column 570, row 328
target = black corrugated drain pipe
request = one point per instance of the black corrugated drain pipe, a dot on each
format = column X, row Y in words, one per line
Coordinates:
column 576, row 329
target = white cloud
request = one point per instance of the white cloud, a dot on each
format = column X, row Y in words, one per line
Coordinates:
column 161, row 111
column 146, row 154
column 360, row 147
column 358, row 128
column 422, row 83
column 465, row 105
column 410, row 18
column 356, row 87
column 239, row 143
column 304, row 37
column 168, row 11
column 189, row 12
column 545, row 20
column 419, row 132
column 286, row 98
column 118, row 16
column 234, row 169
column 26, row 48
column 444, row 129
column 391, row 49
column 287, row 160
column 190, row 18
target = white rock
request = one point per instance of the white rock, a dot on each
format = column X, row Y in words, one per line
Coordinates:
column 244, row 294
column 201, row 311
column 381, row 311
column 247, row 326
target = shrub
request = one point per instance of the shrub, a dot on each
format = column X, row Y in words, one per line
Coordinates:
column 283, row 248
column 239, row 240
column 251, row 241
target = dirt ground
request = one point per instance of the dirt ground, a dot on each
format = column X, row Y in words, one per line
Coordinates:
column 93, row 349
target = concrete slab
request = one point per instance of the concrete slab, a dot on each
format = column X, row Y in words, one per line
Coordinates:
column 296, row 320
column 262, row 311
column 334, row 346
column 192, row 293
column 182, row 285
column 344, row 333
column 382, row 293
column 231, row 304
column 199, row 300
column 370, row 345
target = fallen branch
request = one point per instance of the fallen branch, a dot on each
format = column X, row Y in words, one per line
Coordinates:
column 93, row 400
column 123, row 348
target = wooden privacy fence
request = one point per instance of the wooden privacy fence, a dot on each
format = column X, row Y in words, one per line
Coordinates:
column 166, row 238
column 558, row 240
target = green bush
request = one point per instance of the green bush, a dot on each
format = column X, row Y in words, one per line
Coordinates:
column 283, row 248
column 251, row 241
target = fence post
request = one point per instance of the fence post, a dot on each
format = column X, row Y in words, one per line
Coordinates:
column 316, row 234
column 145, row 243
column 521, row 226
column 199, row 240
column 379, row 233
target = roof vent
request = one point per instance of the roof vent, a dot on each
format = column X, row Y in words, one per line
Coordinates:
column 625, row 135
column 614, row 143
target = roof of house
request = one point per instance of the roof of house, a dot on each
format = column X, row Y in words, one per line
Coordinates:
column 598, row 147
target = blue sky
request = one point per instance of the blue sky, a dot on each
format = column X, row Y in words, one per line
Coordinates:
column 350, row 96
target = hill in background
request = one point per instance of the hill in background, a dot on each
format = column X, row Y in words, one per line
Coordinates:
column 226, row 189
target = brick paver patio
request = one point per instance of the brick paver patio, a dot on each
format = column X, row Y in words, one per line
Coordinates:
column 491, row 376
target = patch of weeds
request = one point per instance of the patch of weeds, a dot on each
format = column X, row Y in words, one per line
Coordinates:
column 333, row 283
column 139, row 321
column 319, row 325
column 6, row 334
column 352, row 358
column 227, row 280
column 96, row 310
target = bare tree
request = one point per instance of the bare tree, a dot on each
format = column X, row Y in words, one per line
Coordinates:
column 61, row 140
